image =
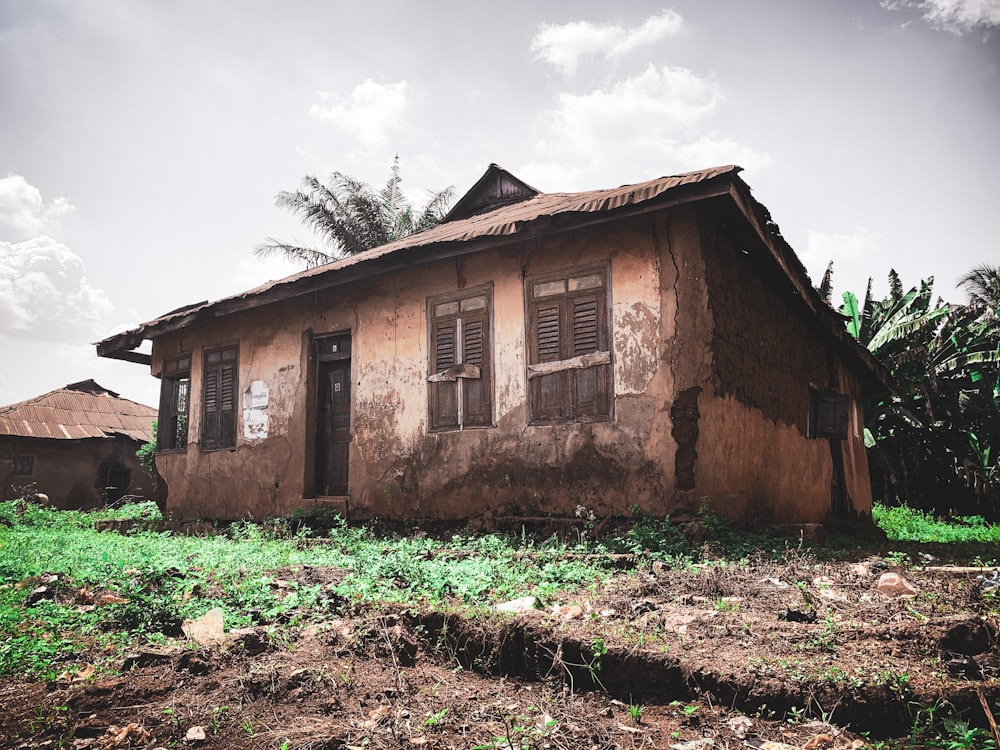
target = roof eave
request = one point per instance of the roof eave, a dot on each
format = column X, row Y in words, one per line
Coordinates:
column 121, row 345
column 874, row 375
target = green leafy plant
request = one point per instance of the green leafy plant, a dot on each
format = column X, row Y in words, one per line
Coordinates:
column 436, row 718
column 635, row 711
column 147, row 453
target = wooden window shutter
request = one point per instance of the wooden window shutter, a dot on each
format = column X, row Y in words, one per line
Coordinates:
column 210, row 426
column 443, row 395
column 227, row 405
column 475, row 391
column 547, row 390
column 589, row 385
column 459, row 385
column 584, row 327
column 218, row 428
column 569, row 352
column 830, row 415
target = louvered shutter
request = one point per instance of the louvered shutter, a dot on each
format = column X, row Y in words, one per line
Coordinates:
column 589, row 385
column 210, row 425
column 568, row 320
column 227, row 406
column 219, row 401
column 443, row 395
column 547, row 390
column 475, row 391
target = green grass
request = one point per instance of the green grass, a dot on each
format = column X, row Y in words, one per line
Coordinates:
column 155, row 580
column 165, row 579
column 903, row 524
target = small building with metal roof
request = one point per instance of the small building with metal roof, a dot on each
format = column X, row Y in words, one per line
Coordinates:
column 648, row 348
column 76, row 445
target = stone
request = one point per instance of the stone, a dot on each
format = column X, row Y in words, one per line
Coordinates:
column 893, row 585
column 518, row 606
column 567, row 611
column 860, row 570
column 207, row 630
column 740, row 725
column 833, row 595
column 195, row 734
column 776, row 582
column 699, row 744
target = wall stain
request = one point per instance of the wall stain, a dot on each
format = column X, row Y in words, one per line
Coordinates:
column 684, row 415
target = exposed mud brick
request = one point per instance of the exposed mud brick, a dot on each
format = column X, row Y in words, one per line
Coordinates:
column 684, row 416
column 764, row 351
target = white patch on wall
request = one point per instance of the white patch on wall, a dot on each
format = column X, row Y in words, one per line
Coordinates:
column 255, row 399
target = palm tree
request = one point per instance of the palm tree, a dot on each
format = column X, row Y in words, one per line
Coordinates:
column 983, row 286
column 350, row 217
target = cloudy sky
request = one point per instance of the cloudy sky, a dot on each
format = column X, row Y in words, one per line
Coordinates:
column 142, row 142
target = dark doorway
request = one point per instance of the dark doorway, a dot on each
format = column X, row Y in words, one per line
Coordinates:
column 333, row 423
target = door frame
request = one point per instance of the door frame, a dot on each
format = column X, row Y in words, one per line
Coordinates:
column 314, row 399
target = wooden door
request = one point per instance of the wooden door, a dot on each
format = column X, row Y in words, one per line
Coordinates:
column 333, row 440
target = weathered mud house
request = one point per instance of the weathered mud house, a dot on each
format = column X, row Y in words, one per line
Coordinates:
column 649, row 347
column 76, row 444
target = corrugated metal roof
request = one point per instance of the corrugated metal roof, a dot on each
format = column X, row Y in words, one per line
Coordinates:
column 508, row 220
column 504, row 221
column 80, row 410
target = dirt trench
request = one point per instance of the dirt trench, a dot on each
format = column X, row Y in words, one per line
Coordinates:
column 663, row 657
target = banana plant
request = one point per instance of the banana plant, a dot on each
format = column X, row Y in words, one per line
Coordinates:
column 937, row 435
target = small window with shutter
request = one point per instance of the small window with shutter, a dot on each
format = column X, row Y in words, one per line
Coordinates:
column 829, row 414
column 175, row 388
column 24, row 466
column 569, row 346
column 460, row 361
column 219, row 390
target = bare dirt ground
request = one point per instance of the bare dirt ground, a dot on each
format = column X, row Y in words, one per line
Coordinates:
column 805, row 653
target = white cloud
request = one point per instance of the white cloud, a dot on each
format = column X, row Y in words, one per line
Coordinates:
column 253, row 271
column 564, row 45
column 962, row 15
column 851, row 253
column 957, row 16
column 370, row 112
column 856, row 245
column 657, row 101
column 712, row 150
column 43, row 366
column 552, row 177
column 637, row 128
column 23, row 213
column 44, row 291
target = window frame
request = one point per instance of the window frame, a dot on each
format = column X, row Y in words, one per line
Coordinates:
column 19, row 463
column 455, row 382
column 176, row 372
column 219, row 441
column 112, row 492
column 829, row 415
column 567, row 364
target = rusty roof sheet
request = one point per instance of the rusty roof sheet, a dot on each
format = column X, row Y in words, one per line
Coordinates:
column 80, row 410
column 504, row 221
column 509, row 219
column 465, row 234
